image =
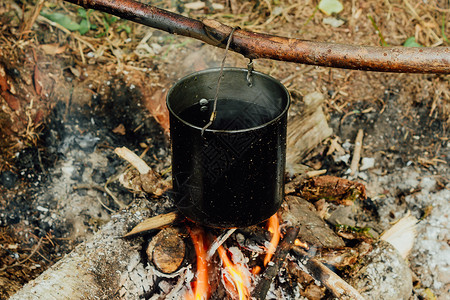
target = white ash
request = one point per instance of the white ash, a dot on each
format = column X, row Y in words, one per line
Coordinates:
column 367, row 163
column 430, row 257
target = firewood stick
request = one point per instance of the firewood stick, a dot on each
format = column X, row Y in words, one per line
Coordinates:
column 328, row 278
column 257, row 45
column 133, row 159
column 357, row 152
column 267, row 277
column 154, row 223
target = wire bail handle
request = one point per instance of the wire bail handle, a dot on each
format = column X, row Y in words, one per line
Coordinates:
column 250, row 69
column 214, row 112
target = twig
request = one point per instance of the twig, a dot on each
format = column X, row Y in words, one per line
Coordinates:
column 154, row 223
column 133, row 159
column 315, row 173
column 328, row 278
column 218, row 242
column 27, row 24
column 257, row 45
column 267, row 277
column 25, row 259
column 108, row 191
column 357, row 153
column 101, row 189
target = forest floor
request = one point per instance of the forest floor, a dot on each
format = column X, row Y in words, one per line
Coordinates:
column 75, row 88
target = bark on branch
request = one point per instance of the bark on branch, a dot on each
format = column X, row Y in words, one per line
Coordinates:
column 259, row 45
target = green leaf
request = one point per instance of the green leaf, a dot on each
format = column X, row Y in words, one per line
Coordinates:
column 444, row 36
column 63, row 20
column 84, row 26
column 411, row 42
column 330, row 7
column 82, row 12
column 125, row 28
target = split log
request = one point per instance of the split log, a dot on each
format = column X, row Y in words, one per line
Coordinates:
column 307, row 129
column 257, row 45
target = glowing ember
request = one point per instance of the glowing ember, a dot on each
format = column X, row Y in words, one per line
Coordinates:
column 239, row 279
column 299, row 243
column 273, row 226
column 201, row 288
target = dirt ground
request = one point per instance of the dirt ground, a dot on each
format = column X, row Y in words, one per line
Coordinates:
column 69, row 97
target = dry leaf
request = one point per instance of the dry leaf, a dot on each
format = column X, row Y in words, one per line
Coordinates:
column 120, row 129
column 156, row 104
column 53, row 49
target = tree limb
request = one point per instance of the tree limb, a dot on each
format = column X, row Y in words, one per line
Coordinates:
column 258, row 45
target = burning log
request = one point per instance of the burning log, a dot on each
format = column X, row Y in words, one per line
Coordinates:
column 167, row 250
column 263, row 286
column 257, row 45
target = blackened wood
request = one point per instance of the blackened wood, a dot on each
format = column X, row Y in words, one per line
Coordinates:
column 271, row 271
column 258, row 45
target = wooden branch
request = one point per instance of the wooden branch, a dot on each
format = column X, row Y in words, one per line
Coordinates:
column 258, row 45
column 357, row 152
column 328, row 278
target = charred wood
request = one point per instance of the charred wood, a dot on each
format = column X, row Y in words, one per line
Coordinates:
column 269, row 274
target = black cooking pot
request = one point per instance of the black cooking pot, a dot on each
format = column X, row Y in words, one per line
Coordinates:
column 231, row 175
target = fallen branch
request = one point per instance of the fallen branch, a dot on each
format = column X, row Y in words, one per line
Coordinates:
column 258, row 45
column 328, row 278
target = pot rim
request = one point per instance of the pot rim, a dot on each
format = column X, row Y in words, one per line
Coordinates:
column 217, row 70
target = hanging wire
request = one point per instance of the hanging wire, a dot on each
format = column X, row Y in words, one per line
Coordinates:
column 249, row 73
column 214, row 112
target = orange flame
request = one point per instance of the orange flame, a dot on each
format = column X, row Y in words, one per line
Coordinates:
column 239, row 279
column 201, row 289
column 299, row 243
column 273, row 225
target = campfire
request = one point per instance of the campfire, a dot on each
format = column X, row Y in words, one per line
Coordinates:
column 303, row 249
column 248, row 262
